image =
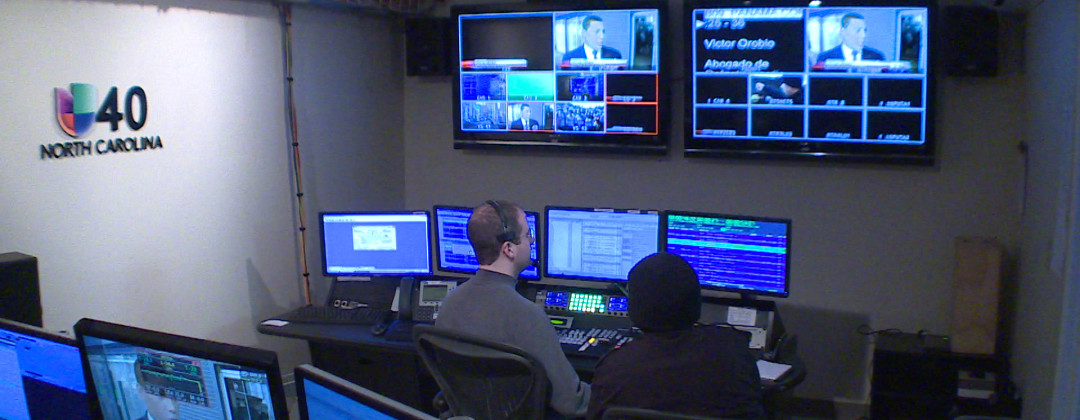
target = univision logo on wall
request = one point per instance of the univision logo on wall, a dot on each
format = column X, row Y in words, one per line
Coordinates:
column 77, row 110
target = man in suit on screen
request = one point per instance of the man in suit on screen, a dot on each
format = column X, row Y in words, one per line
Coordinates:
column 592, row 47
column 525, row 121
column 852, row 38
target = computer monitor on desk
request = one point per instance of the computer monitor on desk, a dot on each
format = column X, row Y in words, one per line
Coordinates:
column 396, row 243
column 324, row 396
column 597, row 244
column 132, row 373
column 40, row 375
column 738, row 254
column 455, row 253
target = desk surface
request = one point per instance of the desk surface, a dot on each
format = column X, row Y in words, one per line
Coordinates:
column 399, row 340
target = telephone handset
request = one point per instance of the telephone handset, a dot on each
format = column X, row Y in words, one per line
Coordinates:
column 419, row 300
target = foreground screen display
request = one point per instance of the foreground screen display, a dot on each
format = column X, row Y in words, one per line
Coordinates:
column 838, row 81
column 560, row 79
column 132, row 373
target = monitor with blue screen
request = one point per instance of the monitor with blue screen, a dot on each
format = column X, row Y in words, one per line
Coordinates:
column 452, row 241
column 41, row 375
column 598, row 244
column 376, row 243
column 325, row 396
column 137, row 374
column 739, row 254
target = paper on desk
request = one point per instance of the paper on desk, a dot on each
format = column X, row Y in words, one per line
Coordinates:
column 771, row 371
column 741, row 316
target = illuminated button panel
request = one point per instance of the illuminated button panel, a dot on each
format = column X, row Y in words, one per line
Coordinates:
column 587, row 302
column 581, row 302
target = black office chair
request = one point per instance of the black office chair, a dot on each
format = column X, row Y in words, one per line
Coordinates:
column 483, row 379
column 630, row 413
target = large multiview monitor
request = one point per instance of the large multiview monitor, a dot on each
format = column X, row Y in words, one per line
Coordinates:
column 325, row 396
column 41, row 375
column 135, row 373
column 561, row 76
column 376, row 243
column 844, row 80
column 597, row 244
column 455, row 252
column 739, row 254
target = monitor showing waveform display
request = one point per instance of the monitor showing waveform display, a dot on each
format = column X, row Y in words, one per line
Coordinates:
column 746, row 255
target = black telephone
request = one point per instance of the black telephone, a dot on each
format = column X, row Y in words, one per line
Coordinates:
column 419, row 299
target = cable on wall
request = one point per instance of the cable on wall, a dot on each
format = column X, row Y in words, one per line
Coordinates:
column 286, row 23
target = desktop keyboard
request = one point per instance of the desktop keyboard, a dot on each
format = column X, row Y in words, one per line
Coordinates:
column 332, row 315
column 592, row 343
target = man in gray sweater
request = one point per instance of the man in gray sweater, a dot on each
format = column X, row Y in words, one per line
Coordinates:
column 488, row 306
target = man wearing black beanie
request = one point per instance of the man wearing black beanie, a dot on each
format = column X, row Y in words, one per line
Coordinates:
column 676, row 366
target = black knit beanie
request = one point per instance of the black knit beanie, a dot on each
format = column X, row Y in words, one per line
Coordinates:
column 664, row 293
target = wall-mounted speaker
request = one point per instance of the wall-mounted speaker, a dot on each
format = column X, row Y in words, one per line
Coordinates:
column 970, row 44
column 427, row 46
column 20, row 297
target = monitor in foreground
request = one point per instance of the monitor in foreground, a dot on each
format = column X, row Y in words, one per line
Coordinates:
column 143, row 374
column 368, row 243
column 324, row 396
column 598, row 244
column 739, row 254
column 40, row 375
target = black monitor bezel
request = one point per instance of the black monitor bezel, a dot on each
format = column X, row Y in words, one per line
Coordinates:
column 322, row 242
column 30, row 330
column 810, row 151
column 742, row 292
column 353, row 392
column 657, row 144
column 547, row 211
column 247, row 357
column 437, row 246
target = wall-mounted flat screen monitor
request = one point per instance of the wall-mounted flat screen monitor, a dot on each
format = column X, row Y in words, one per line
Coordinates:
column 376, row 243
column 739, row 254
column 325, row 396
column 455, row 253
column 133, row 373
column 41, row 376
column 597, row 244
column 583, row 76
column 846, row 80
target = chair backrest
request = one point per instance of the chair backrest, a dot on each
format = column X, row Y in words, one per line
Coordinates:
column 482, row 379
column 631, row 413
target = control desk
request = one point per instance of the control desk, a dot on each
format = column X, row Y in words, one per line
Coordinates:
column 589, row 323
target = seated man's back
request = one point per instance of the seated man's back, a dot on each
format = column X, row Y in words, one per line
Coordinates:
column 488, row 306
column 705, row 370
column 676, row 366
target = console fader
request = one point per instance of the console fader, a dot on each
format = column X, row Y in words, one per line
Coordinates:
column 588, row 323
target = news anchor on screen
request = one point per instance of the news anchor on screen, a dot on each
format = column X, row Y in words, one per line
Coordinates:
column 524, row 120
column 852, row 37
column 592, row 47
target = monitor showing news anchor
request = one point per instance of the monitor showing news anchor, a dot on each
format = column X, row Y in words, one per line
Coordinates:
column 840, row 81
column 560, row 77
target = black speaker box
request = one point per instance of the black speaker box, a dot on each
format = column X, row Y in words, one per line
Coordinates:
column 971, row 41
column 427, row 46
column 20, row 297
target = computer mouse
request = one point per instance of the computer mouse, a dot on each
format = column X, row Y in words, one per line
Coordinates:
column 380, row 328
